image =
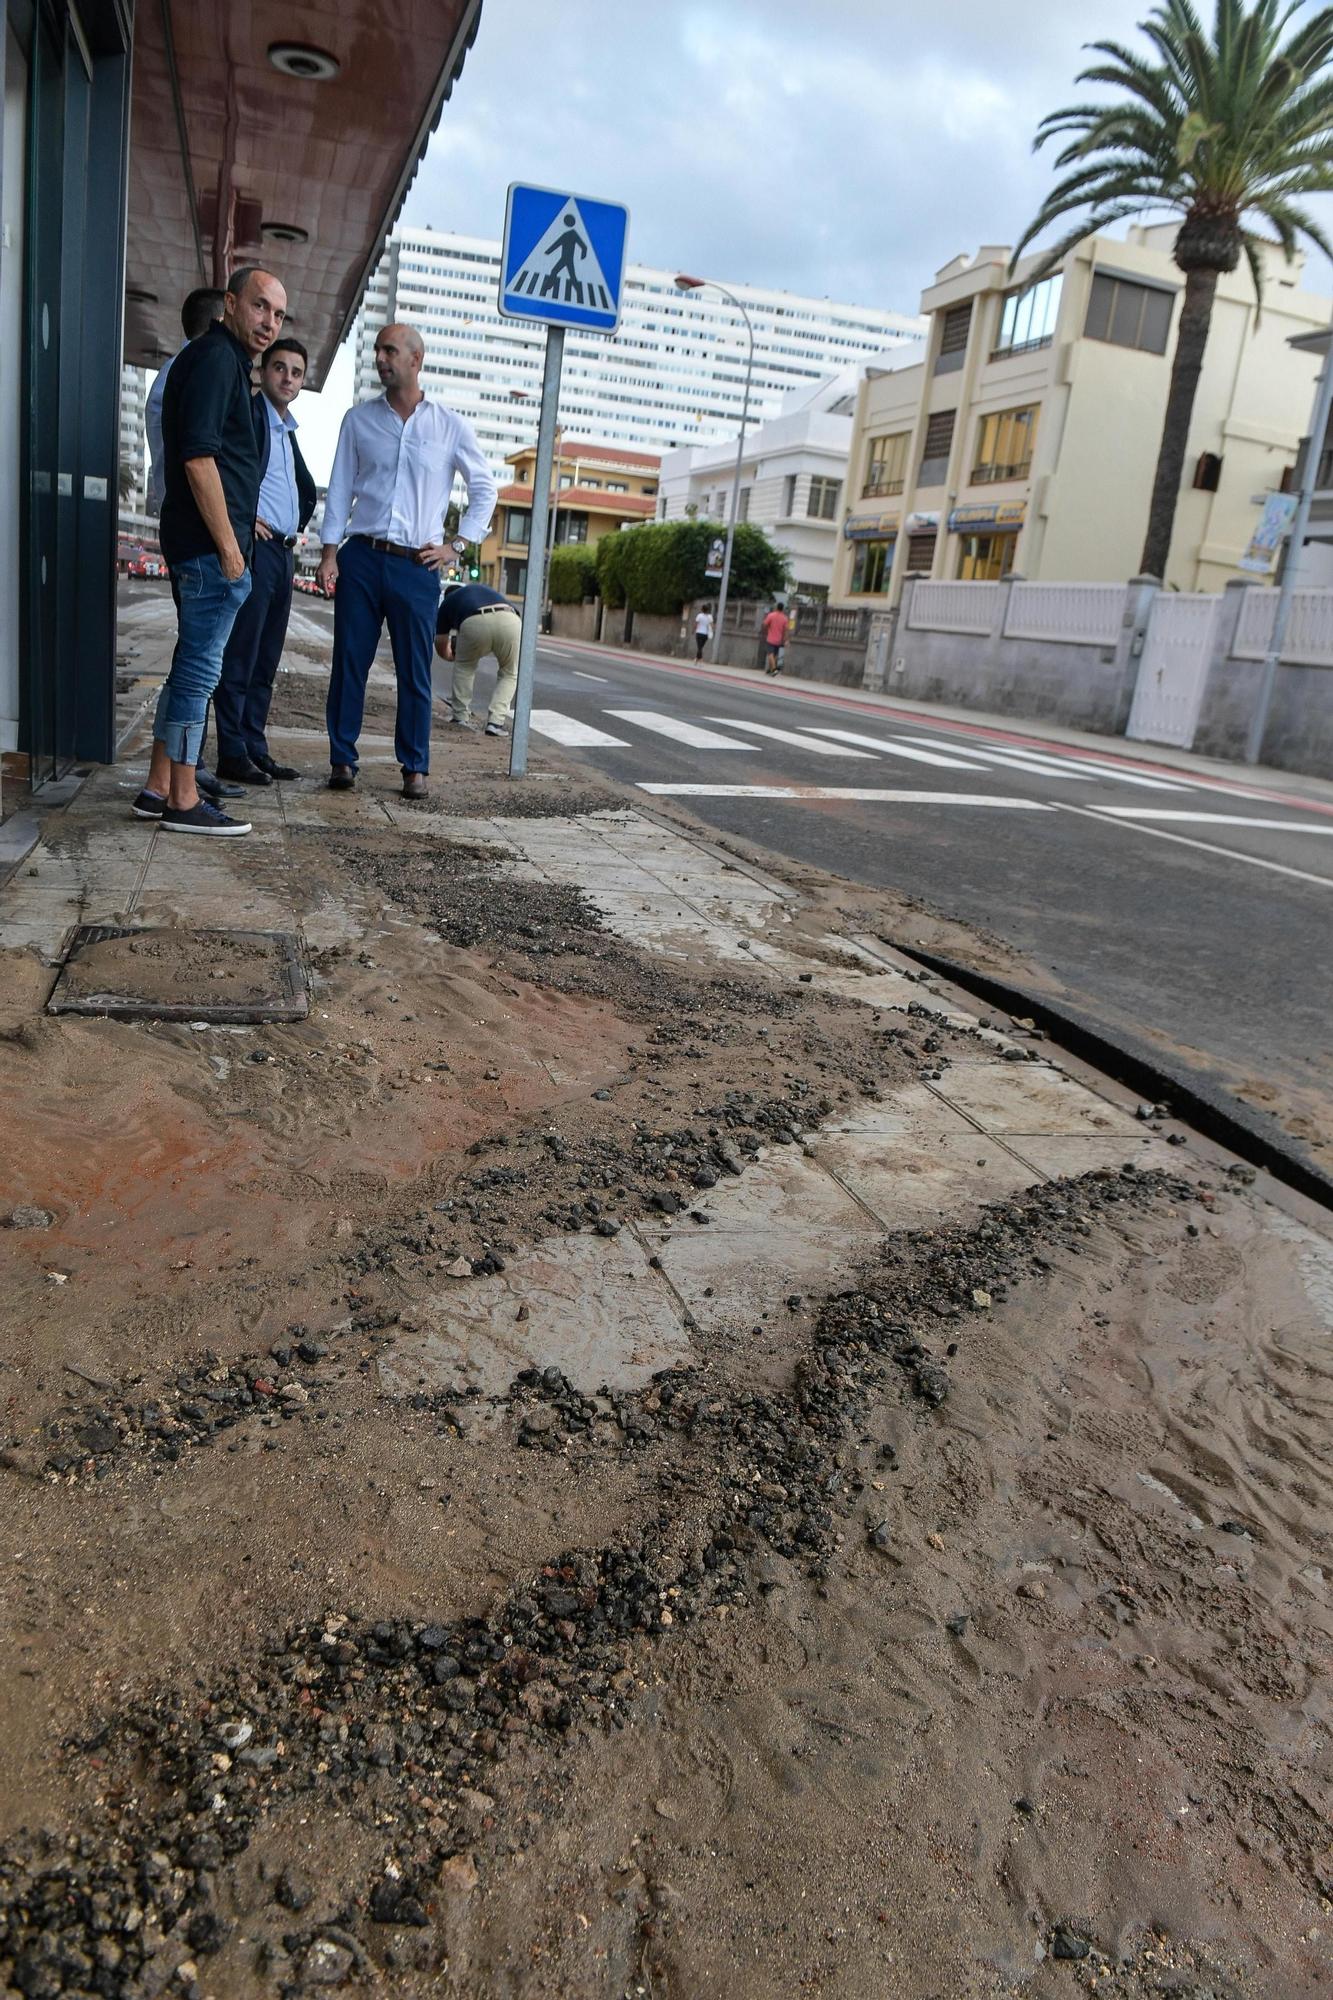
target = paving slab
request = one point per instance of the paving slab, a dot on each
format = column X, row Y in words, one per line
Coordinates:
column 786, row 1225
column 595, row 1309
column 915, row 1161
column 1012, row 1098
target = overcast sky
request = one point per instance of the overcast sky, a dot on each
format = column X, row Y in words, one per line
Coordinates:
column 843, row 148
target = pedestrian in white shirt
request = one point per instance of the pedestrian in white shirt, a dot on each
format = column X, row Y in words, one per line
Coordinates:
column 703, row 631
column 393, row 473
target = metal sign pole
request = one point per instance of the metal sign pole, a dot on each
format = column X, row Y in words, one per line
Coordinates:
column 534, row 585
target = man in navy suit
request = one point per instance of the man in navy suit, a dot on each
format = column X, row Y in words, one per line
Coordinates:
column 286, row 502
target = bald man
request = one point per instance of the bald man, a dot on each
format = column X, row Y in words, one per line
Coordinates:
column 393, row 473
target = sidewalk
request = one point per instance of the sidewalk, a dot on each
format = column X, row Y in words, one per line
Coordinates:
column 639, row 1392
column 1268, row 782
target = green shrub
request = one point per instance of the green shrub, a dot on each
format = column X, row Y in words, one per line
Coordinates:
column 573, row 575
column 661, row 566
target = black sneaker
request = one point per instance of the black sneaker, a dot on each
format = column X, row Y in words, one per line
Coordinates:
column 201, row 817
column 149, row 805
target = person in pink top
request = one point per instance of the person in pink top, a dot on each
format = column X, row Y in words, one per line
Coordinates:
column 776, row 626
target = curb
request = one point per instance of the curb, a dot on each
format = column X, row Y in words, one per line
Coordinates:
column 1226, row 1123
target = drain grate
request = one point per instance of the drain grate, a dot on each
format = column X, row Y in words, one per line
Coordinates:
column 227, row 977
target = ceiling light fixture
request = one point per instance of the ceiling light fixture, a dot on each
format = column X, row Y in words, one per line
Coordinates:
column 300, row 60
column 286, row 232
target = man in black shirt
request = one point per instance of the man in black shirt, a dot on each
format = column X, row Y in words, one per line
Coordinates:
column 214, row 462
column 475, row 620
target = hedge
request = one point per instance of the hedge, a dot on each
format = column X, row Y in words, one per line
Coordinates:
column 662, row 566
column 573, row 575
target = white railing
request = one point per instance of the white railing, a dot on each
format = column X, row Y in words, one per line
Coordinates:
column 955, row 607
column 1074, row 614
column 1309, row 640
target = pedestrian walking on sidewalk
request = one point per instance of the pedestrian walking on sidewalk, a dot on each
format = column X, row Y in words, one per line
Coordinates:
column 776, row 627
column 703, row 632
column 214, row 462
column 286, row 502
column 474, row 620
column 389, row 490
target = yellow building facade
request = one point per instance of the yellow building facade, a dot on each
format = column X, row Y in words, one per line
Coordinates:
column 1026, row 441
column 598, row 489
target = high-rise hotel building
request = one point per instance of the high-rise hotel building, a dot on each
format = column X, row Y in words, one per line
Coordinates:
column 674, row 373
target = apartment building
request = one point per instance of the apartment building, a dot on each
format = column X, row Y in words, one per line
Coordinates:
column 674, row 374
column 133, row 438
column 1026, row 440
column 793, row 478
column 599, row 489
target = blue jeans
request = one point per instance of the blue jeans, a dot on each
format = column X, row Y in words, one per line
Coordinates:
column 250, row 658
column 206, row 607
column 375, row 589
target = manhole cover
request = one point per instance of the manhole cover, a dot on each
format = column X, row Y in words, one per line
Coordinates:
column 178, row 975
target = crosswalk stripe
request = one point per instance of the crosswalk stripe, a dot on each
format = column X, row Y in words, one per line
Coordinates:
column 574, row 735
column 1219, row 819
column 900, row 749
column 873, row 792
column 802, row 741
column 680, row 732
column 1038, row 764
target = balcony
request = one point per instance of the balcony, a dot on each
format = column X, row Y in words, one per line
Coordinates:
column 991, row 475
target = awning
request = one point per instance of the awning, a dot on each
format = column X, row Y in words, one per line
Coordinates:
column 870, row 527
column 285, row 132
column 1007, row 514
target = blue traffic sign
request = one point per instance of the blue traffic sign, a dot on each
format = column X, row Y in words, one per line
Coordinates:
column 563, row 260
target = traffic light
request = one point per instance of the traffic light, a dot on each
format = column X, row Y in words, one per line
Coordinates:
column 474, row 571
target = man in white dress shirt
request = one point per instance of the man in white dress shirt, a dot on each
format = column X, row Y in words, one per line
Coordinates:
column 388, row 493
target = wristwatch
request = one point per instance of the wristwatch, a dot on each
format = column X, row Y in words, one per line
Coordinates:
column 458, row 545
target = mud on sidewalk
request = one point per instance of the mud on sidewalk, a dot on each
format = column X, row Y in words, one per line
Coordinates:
column 640, row 1449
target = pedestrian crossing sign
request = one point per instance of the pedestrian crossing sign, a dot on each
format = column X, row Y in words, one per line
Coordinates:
column 563, row 259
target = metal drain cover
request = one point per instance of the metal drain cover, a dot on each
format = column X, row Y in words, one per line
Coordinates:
column 182, row 975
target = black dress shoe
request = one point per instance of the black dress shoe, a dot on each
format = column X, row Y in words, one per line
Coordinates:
column 213, row 788
column 276, row 770
column 241, row 771
column 342, row 778
column 414, row 784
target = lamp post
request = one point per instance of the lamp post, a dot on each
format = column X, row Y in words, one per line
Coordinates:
column 688, row 284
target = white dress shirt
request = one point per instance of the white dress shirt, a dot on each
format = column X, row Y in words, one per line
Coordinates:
column 393, row 480
column 279, row 501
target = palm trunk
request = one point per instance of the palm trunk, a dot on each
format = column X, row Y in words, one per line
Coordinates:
column 1191, row 339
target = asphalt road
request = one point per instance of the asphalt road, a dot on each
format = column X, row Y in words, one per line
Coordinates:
column 1189, row 918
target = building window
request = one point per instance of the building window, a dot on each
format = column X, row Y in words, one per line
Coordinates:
column 789, row 496
column 986, row 558
column 871, row 565
column 571, row 528
column 1129, row 315
column 935, row 451
column 823, row 502
column 953, row 338
column 566, row 479
column 518, row 526
column 1004, row 445
column 615, row 485
column 595, row 485
column 886, row 464
column 1208, row 472
column 1027, row 318
column 743, row 510
column 921, row 552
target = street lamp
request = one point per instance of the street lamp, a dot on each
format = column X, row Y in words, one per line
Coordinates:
column 688, row 284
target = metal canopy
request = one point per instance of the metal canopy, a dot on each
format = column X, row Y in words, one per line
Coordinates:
column 226, row 147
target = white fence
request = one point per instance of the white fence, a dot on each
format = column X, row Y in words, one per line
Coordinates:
column 955, row 607
column 1072, row 614
column 1309, row 640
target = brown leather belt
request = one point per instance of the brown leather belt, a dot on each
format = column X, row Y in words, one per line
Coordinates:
column 389, row 548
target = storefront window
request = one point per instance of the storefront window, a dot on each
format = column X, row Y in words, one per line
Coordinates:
column 870, row 569
column 986, row 558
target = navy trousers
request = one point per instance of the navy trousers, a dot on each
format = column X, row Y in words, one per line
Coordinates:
column 250, row 661
column 377, row 589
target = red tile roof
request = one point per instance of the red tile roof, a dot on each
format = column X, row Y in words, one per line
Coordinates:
column 594, row 499
column 606, row 454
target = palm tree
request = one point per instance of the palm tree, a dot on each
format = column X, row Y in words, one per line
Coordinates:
column 1222, row 130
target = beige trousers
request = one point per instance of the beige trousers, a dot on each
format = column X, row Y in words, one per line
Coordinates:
column 486, row 632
